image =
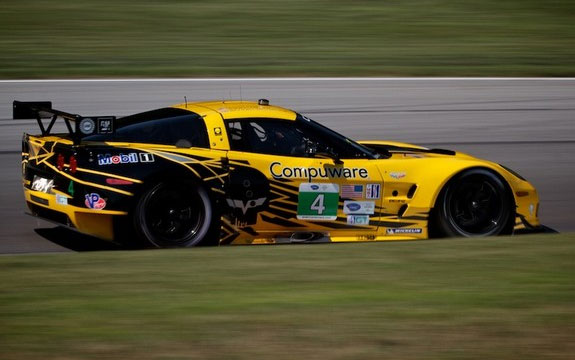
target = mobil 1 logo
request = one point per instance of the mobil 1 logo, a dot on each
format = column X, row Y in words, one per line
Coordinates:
column 317, row 201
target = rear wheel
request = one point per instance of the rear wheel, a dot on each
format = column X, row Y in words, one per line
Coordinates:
column 175, row 214
column 474, row 203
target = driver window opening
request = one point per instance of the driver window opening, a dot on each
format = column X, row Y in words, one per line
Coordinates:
column 290, row 138
column 267, row 137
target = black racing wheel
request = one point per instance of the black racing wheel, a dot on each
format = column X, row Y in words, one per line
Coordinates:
column 475, row 202
column 175, row 214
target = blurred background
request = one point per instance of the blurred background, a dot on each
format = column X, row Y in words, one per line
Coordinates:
column 177, row 38
column 495, row 298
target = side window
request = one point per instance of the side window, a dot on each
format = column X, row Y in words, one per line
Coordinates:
column 267, row 136
column 236, row 136
column 183, row 131
column 302, row 137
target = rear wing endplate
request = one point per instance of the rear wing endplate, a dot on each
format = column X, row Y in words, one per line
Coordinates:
column 78, row 126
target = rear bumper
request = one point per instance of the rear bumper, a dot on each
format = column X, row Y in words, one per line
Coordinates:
column 98, row 223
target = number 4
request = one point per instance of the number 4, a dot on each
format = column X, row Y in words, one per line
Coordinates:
column 317, row 204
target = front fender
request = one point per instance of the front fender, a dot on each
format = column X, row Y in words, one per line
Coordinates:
column 429, row 174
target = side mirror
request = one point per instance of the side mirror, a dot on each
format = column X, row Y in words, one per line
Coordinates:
column 329, row 155
column 311, row 149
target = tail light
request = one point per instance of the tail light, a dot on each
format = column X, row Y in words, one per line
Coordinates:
column 73, row 164
column 60, row 162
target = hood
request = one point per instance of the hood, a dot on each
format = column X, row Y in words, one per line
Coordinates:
column 394, row 149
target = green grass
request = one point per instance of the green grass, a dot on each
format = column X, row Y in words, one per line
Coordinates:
column 499, row 298
column 89, row 38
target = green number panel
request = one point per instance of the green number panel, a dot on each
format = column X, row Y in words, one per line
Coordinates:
column 317, row 201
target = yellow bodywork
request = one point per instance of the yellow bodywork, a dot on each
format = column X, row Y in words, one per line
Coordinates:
column 410, row 183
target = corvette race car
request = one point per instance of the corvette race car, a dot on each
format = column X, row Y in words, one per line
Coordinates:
column 237, row 172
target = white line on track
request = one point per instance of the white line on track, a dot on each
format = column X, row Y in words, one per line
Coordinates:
column 292, row 79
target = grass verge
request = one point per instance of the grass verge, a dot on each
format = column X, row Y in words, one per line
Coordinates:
column 104, row 38
column 498, row 298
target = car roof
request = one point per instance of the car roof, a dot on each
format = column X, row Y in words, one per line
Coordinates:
column 232, row 109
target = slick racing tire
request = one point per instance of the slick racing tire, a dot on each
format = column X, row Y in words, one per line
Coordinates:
column 474, row 203
column 175, row 214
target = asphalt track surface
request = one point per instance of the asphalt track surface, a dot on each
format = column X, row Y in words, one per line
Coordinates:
column 525, row 124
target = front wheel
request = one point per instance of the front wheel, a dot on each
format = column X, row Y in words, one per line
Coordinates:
column 174, row 214
column 474, row 203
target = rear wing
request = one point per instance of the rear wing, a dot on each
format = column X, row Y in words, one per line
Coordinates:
column 78, row 126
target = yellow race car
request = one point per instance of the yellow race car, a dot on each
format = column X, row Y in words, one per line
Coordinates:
column 237, row 172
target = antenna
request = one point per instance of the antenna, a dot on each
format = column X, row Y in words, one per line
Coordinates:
column 186, row 101
column 241, row 98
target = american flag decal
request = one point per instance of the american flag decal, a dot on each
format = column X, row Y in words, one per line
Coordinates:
column 351, row 191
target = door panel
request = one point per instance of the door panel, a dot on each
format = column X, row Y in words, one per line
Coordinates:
column 304, row 194
column 284, row 179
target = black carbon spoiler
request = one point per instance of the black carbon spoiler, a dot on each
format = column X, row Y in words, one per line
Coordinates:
column 81, row 127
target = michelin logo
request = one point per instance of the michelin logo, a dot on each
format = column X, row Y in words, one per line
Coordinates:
column 403, row 231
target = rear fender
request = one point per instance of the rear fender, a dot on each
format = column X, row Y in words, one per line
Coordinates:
column 131, row 170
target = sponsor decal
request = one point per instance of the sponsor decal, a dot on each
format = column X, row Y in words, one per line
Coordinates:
column 146, row 157
column 71, row 188
column 245, row 205
column 359, row 207
column 94, row 201
column 352, row 191
column 105, row 125
column 403, row 231
column 372, row 191
column 397, row 174
column 131, row 158
column 42, row 184
column 358, row 219
column 61, row 199
column 108, row 159
column 278, row 171
column 353, row 206
column 317, row 201
column 531, row 209
column 87, row 126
